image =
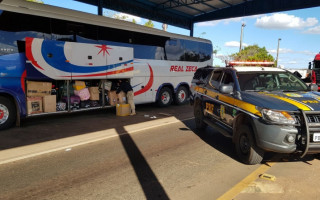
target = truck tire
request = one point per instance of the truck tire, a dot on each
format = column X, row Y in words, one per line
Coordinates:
column 181, row 96
column 248, row 152
column 199, row 116
column 7, row 113
column 165, row 97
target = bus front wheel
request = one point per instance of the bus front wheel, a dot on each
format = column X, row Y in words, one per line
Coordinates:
column 165, row 97
column 7, row 113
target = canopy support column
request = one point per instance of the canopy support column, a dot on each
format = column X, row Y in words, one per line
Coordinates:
column 191, row 29
column 100, row 7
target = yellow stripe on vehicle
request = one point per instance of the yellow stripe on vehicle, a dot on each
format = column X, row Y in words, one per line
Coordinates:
column 232, row 101
column 299, row 105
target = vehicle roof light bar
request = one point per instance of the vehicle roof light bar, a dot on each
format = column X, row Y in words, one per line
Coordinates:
column 250, row 63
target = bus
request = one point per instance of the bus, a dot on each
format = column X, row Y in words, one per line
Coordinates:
column 45, row 51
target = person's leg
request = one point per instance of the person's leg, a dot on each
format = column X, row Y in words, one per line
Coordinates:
column 130, row 102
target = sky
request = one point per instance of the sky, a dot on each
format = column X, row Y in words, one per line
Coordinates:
column 298, row 31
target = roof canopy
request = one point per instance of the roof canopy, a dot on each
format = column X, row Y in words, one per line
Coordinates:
column 184, row 13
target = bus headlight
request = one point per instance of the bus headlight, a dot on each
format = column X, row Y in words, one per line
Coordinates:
column 280, row 117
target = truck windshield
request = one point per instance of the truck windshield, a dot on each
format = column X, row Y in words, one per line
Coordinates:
column 270, row 81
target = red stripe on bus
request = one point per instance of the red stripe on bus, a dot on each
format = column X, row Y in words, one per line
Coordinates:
column 29, row 52
column 149, row 84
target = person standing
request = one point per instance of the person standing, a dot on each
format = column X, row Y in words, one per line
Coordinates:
column 125, row 86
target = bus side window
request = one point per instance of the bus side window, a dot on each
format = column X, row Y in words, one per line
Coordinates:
column 174, row 50
column 16, row 27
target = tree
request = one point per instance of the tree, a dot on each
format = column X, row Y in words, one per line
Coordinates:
column 253, row 53
column 149, row 24
column 35, row 1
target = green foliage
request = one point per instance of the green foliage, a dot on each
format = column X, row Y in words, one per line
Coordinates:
column 35, row 1
column 149, row 24
column 121, row 17
column 134, row 21
column 253, row 53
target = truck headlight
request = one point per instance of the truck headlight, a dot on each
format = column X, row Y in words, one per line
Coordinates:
column 280, row 117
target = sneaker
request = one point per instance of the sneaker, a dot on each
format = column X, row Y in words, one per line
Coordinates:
column 133, row 114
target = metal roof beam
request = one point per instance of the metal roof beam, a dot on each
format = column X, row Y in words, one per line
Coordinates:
column 229, row 4
column 210, row 6
column 181, row 3
column 255, row 7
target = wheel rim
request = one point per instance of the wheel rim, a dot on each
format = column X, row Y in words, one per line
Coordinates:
column 181, row 95
column 4, row 113
column 244, row 144
column 165, row 97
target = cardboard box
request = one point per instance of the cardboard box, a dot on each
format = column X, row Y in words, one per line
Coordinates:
column 123, row 109
column 79, row 85
column 49, row 103
column 38, row 89
column 107, row 85
column 112, row 95
column 94, row 93
column 122, row 98
column 34, row 105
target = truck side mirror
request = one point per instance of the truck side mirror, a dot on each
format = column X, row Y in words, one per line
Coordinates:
column 226, row 89
column 309, row 67
column 314, row 87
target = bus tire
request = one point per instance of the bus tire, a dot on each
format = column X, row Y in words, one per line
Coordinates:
column 181, row 96
column 248, row 152
column 165, row 97
column 7, row 113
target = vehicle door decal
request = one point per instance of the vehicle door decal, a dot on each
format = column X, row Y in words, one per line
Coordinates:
column 222, row 111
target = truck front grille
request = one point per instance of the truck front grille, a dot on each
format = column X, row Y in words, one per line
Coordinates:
column 311, row 118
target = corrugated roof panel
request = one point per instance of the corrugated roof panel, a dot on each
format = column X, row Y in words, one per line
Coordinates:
column 189, row 10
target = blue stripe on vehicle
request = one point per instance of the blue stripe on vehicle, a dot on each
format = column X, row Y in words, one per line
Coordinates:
column 58, row 59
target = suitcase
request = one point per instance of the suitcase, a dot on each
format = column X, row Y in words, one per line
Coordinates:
column 74, row 102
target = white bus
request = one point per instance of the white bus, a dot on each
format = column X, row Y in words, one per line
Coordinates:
column 46, row 44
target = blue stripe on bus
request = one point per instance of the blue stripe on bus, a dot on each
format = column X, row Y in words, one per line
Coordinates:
column 58, row 59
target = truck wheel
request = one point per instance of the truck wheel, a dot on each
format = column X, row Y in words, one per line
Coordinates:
column 7, row 113
column 199, row 116
column 181, row 95
column 246, row 148
column 165, row 97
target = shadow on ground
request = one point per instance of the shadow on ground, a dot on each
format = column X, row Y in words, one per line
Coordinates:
column 52, row 127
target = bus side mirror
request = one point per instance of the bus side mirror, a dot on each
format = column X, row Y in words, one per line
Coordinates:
column 309, row 67
column 314, row 87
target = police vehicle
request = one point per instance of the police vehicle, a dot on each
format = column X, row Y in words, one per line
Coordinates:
column 261, row 108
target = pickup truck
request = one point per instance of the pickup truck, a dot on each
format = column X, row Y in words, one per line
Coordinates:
column 261, row 108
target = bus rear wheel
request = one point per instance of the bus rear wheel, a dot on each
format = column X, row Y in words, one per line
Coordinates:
column 7, row 113
column 165, row 97
column 181, row 96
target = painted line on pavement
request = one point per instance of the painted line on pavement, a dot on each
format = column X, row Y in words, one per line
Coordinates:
column 29, row 151
column 244, row 183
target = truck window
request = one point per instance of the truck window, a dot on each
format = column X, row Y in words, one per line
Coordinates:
column 215, row 79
